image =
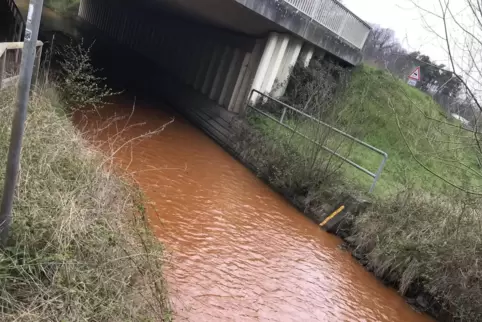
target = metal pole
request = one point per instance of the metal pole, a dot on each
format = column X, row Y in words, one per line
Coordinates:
column 18, row 126
column 379, row 173
column 283, row 116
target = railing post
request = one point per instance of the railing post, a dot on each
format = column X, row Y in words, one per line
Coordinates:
column 343, row 23
column 283, row 116
column 316, row 8
column 379, row 173
column 36, row 68
column 3, row 60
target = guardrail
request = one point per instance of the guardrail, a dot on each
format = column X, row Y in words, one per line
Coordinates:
column 18, row 25
column 10, row 63
column 286, row 107
column 336, row 17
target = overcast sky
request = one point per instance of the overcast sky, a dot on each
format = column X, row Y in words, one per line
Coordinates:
column 405, row 19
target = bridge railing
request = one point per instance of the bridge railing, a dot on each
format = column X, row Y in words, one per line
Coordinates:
column 18, row 25
column 10, row 59
column 336, row 17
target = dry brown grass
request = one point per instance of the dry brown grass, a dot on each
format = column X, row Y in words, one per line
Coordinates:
column 433, row 244
column 80, row 248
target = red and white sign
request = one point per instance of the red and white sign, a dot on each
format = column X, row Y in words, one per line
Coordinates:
column 415, row 75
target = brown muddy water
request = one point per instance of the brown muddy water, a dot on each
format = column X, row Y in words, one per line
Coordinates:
column 237, row 250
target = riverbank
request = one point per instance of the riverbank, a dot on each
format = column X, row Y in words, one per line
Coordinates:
column 317, row 201
column 80, row 247
column 425, row 244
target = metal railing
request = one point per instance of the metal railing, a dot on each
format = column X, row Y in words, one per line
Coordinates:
column 10, row 63
column 286, row 107
column 336, row 17
column 18, row 25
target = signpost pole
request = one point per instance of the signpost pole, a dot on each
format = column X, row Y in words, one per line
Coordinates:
column 18, row 126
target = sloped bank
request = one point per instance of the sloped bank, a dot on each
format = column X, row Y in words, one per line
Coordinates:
column 80, row 248
column 318, row 196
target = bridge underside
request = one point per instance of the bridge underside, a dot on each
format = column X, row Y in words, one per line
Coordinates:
column 258, row 17
column 218, row 63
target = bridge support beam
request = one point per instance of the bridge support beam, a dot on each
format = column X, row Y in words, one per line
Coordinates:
column 280, row 55
column 222, row 65
column 307, row 54
column 289, row 61
column 245, row 78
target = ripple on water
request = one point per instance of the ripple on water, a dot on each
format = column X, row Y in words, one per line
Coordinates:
column 239, row 251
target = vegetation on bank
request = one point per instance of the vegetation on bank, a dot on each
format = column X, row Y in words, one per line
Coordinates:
column 421, row 230
column 80, row 247
column 64, row 7
column 385, row 112
column 430, row 246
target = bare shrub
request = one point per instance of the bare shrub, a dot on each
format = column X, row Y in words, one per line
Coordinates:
column 78, row 83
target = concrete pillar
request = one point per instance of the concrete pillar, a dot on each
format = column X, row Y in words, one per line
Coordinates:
column 245, row 80
column 185, row 56
column 194, row 61
column 231, row 76
column 306, row 54
column 289, row 61
column 204, row 64
column 81, row 13
column 275, row 64
column 221, row 72
column 212, row 68
column 264, row 63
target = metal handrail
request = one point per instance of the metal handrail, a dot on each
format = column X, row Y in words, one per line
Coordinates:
column 375, row 176
column 19, row 25
column 336, row 17
column 4, row 48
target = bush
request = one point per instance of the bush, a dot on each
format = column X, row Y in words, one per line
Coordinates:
column 78, row 82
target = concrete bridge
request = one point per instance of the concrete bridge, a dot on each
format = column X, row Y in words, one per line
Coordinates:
column 224, row 48
column 204, row 57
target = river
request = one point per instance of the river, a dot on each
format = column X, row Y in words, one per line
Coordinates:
column 237, row 251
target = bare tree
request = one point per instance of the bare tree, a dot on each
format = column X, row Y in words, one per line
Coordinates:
column 379, row 43
column 458, row 25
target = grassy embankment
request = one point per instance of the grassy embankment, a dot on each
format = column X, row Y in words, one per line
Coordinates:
column 420, row 232
column 400, row 120
column 80, row 248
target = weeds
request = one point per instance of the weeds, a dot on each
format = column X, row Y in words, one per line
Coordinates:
column 420, row 233
column 80, row 247
column 430, row 243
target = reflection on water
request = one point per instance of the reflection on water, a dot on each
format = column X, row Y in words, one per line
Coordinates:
column 240, row 252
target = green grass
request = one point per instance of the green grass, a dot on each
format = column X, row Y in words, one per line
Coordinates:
column 400, row 120
column 80, row 248
column 418, row 231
